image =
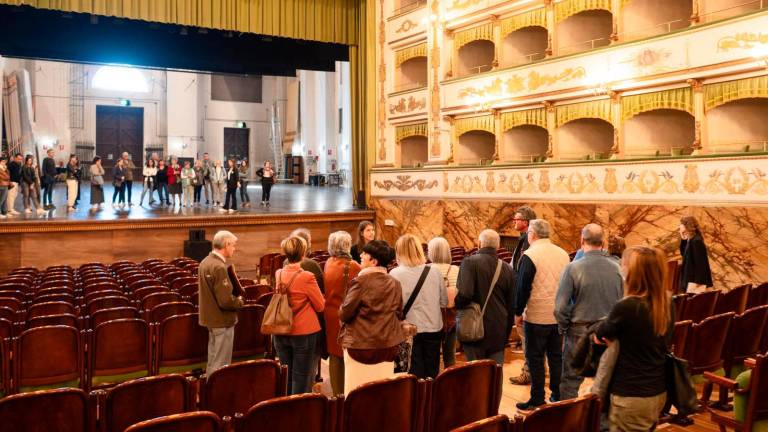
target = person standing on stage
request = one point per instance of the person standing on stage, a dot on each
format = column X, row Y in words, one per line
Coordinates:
column 243, row 175
column 149, row 173
column 218, row 175
column 128, row 168
column 188, row 182
column 218, row 305
column 199, row 181
column 118, row 181
column 231, row 181
column 49, row 180
column 14, row 169
column 174, row 182
column 73, row 182
column 97, row 183
column 29, row 186
column 5, row 182
column 161, row 182
column 207, row 183
column 267, row 175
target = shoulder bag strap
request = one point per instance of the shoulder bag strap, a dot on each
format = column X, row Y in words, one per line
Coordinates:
column 493, row 285
column 416, row 290
column 346, row 275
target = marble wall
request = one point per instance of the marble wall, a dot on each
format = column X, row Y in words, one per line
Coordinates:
column 736, row 236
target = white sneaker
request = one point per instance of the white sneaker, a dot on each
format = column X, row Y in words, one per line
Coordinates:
column 114, row 205
column 13, row 212
column 231, row 210
column 95, row 207
column 2, row 216
column 70, row 209
column 40, row 211
column 27, row 211
column 122, row 206
column 222, row 210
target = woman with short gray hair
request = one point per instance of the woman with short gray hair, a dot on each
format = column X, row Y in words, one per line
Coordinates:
column 439, row 253
column 340, row 269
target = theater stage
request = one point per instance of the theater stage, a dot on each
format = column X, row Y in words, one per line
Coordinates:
column 137, row 233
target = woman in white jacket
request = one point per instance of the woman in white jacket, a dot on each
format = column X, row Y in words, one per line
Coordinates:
column 218, row 176
column 149, row 172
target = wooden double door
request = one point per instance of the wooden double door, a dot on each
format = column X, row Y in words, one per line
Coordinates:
column 120, row 129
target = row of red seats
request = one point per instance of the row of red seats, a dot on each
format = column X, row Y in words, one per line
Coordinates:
column 696, row 307
column 250, row 397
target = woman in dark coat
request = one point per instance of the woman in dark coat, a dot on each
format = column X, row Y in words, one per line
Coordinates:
column 695, row 275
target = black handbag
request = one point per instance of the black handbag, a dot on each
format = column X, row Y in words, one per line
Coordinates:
column 680, row 391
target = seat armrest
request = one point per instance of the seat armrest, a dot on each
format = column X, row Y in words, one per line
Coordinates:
column 721, row 381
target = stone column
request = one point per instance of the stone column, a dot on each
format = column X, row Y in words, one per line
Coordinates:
column 700, row 118
column 496, row 134
column 552, row 150
column 617, row 150
column 616, row 14
column 496, row 41
column 551, row 33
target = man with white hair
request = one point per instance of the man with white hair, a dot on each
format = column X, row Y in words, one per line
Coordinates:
column 476, row 275
column 589, row 288
column 537, row 281
column 218, row 304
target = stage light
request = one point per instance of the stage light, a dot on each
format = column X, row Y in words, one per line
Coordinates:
column 125, row 102
column 120, row 78
column 240, row 124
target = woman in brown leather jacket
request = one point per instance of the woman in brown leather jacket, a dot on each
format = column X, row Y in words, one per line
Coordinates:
column 370, row 319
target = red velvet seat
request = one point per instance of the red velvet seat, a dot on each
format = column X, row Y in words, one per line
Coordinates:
column 60, row 297
column 188, row 291
column 149, row 302
column 165, row 310
column 119, row 351
column 478, row 383
column 179, row 282
column 318, row 414
column 734, row 300
column 142, row 399
column 47, row 357
column 498, row 423
column 394, row 404
column 60, row 410
column 199, row 421
column 182, row 344
column 253, row 292
column 249, row 341
column 141, row 293
column 110, row 302
column 699, row 306
column 5, row 360
column 235, row 388
column 575, row 415
column 758, row 296
column 50, row 308
column 105, row 315
column 704, row 349
column 54, row 320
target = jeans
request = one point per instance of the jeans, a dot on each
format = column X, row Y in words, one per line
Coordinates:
column 220, row 343
column 162, row 191
column 541, row 339
column 474, row 352
column 244, row 198
column 569, row 386
column 198, row 188
column 3, row 200
column 119, row 193
column 298, row 353
column 449, row 347
column 425, row 357
column 231, row 195
column 266, row 189
column 128, row 185
column 48, row 192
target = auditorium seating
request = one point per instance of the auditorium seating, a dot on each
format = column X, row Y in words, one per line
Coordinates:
column 680, row 337
column 317, row 414
column 498, row 423
column 234, row 389
column 60, row 410
column 166, row 310
column 577, row 415
column 758, row 296
column 734, row 300
column 393, row 404
column 699, row 306
column 252, row 293
column 250, row 343
column 200, row 421
column 47, row 357
column 750, row 389
column 479, row 383
column 704, row 349
column 182, row 345
column 119, row 351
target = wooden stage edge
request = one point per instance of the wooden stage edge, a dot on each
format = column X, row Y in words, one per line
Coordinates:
column 60, row 242
column 53, row 226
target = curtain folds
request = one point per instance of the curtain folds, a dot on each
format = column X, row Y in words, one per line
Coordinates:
column 535, row 117
column 316, row 20
column 599, row 109
column 483, row 32
column 534, row 18
column 677, row 99
column 481, row 123
column 566, row 8
column 729, row 91
column 405, row 54
column 410, row 130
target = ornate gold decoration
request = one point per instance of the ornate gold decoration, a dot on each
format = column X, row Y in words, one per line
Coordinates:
column 434, row 91
column 695, row 84
column 490, row 183
column 445, row 181
column 650, row 60
column 530, row 184
column 610, row 184
column 462, row 4
column 404, row 183
column 516, row 183
column 544, row 180
column 404, row 106
column 533, row 18
column 616, row 139
column 742, row 41
column 691, row 182
column 382, row 154
column 566, row 8
column 723, row 92
column 697, row 135
column 499, row 88
column 405, row 131
column 411, row 52
column 406, row 26
column 678, row 99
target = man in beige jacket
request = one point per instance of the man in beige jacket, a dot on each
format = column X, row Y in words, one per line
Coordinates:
column 218, row 306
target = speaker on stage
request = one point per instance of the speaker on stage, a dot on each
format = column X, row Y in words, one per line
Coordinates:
column 197, row 247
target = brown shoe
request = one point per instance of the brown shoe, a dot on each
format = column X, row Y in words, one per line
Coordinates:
column 522, row 379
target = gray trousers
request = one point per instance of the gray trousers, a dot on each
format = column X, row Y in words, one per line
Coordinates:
column 570, row 382
column 636, row 414
column 220, row 343
column 208, row 190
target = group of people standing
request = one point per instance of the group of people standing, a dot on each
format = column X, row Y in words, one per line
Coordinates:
column 175, row 185
column 372, row 323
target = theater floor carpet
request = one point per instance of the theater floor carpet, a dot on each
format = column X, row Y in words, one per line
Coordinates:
column 285, row 198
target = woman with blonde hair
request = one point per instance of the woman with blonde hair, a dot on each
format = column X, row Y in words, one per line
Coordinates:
column 695, row 275
column 297, row 349
column 424, row 294
column 642, row 322
column 338, row 274
column 439, row 253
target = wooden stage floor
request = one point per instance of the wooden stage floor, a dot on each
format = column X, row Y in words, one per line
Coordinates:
column 285, row 198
